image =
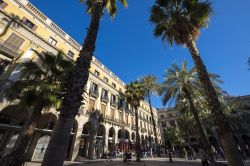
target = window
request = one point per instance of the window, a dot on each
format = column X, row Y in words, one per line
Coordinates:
column 163, row 123
column 91, row 105
column 28, row 23
column 104, row 93
column 70, row 54
column 113, row 98
column 97, row 73
column 162, row 116
column 14, row 42
column 172, row 123
column 106, row 79
column 3, row 4
column 52, row 41
column 113, row 85
column 94, row 87
column 120, row 116
column 103, row 109
column 169, row 115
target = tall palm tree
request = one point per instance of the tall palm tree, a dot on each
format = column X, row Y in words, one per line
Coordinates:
column 56, row 152
column 40, row 87
column 180, row 21
column 182, row 83
column 151, row 86
column 134, row 94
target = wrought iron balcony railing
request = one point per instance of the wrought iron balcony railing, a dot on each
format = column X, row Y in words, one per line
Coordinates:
column 105, row 99
column 143, row 130
column 10, row 50
column 114, row 120
column 114, row 103
column 94, row 93
column 133, row 127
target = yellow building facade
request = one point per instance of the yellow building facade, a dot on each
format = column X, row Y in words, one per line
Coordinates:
column 23, row 30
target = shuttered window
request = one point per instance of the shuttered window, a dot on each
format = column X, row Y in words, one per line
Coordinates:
column 103, row 109
column 91, row 105
column 14, row 42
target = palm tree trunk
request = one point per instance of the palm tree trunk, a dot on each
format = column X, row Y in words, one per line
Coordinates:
column 154, row 126
column 204, row 140
column 71, row 103
column 225, row 132
column 17, row 156
column 137, row 143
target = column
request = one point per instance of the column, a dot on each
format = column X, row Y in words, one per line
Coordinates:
column 108, row 104
column 98, row 104
column 106, row 140
column 76, row 144
column 86, row 97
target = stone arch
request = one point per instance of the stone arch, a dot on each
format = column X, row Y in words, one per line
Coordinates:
column 11, row 144
column 47, row 121
column 100, row 140
column 83, row 148
column 46, row 124
column 41, row 147
column 111, row 139
column 5, row 134
column 120, row 134
column 15, row 113
column 133, row 136
column 127, row 135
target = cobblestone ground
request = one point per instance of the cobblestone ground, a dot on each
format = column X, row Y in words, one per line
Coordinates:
column 144, row 162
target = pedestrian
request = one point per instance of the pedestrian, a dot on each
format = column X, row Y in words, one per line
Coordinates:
column 145, row 153
column 203, row 157
column 185, row 153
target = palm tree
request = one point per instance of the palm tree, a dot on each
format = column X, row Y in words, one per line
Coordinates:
column 13, row 20
column 182, row 83
column 134, row 94
column 56, row 152
column 39, row 88
column 180, row 21
column 151, row 86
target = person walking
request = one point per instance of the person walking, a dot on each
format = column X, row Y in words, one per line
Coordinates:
column 203, row 157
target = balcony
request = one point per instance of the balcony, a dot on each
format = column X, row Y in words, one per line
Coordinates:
column 143, row 130
column 10, row 50
column 133, row 127
column 94, row 93
column 150, row 132
column 114, row 120
column 105, row 98
column 114, row 103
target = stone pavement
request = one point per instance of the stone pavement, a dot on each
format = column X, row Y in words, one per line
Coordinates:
column 144, row 162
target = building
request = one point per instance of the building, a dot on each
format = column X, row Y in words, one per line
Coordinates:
column 168, row 117
column 23, row 29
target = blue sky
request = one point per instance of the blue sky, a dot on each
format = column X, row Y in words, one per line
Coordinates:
column 127, row 47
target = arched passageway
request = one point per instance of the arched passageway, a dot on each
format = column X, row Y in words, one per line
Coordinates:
column 41, row 138
column 124, row 144
column 100, row 141
column 111, row 140
column 83, row 148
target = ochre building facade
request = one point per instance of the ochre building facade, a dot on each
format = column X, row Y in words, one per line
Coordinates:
column 24, row 30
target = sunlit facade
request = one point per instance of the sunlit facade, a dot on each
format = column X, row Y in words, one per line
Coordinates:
column 23, row 29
